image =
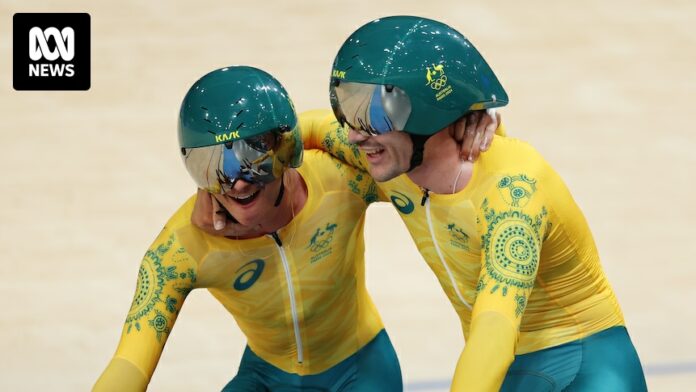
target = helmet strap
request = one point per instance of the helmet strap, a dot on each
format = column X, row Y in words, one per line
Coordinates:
column 227, row 214
column 280, row 192
column 418, row 142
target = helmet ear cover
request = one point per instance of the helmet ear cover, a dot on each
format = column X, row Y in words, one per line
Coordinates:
column 441, row 74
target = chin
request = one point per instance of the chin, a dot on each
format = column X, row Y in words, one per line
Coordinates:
column 246, row 220
column 246, row 217
column 383, row 174
column 379, row 178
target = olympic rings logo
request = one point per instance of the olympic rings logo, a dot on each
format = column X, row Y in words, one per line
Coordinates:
column 437, row 84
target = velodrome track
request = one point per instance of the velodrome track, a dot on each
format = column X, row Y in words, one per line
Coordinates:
column 603, row 89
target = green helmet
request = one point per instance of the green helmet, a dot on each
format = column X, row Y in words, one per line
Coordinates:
column 238, row 123
column 410, row 74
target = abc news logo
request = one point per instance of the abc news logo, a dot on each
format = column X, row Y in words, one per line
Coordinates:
column 51, row 51
column 38, row 49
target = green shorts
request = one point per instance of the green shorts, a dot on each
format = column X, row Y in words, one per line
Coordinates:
column 374, row 367
column 605, row 361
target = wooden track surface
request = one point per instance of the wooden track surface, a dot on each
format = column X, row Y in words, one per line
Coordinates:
column 603, row 89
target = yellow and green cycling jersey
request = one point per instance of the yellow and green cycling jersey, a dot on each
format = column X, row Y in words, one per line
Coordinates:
column 512, row 252
column 299, row 295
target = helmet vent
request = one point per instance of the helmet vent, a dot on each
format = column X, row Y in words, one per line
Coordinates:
column 205, row 117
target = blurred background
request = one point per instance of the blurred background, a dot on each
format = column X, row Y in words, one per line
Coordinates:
column 600, row 88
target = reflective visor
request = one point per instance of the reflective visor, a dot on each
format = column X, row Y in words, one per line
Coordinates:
column 217, row 168
column 373, row 109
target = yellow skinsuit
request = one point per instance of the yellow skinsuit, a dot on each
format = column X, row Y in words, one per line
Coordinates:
column 512, row 252
column 298, row 296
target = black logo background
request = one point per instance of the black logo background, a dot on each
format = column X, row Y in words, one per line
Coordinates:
column 22, row 23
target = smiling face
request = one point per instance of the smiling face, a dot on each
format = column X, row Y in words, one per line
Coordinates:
column 251, row 204
column 388, row 155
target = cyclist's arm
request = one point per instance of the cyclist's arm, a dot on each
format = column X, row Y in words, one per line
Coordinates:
column 166, row 275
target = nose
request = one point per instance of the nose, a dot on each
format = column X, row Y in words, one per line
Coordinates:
column 355, row 137
column 240, row 186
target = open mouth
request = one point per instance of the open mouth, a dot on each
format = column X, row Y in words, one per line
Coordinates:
column 373, row 153
column 244, row 199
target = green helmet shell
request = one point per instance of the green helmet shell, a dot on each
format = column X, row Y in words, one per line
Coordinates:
column 441, row 72
column 233, row 103
column 235, row 123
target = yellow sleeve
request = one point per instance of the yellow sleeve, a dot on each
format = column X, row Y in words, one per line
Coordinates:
column 166, row 275
column 360, row 183
column 512, row 219
column 320, row 130
column 500, row 131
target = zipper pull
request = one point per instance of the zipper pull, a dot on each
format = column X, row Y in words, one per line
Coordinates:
column 426, row 191
column 277, row 239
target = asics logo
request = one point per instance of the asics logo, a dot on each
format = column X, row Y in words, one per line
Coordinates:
column 402, row 203
column 250, row 275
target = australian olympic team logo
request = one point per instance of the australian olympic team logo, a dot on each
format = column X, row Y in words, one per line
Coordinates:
column 51, row 51
column 458, row 238
column 402, row 203
column 436, row 77
column 320, row 243
column 252, row 272
column 437, row 80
